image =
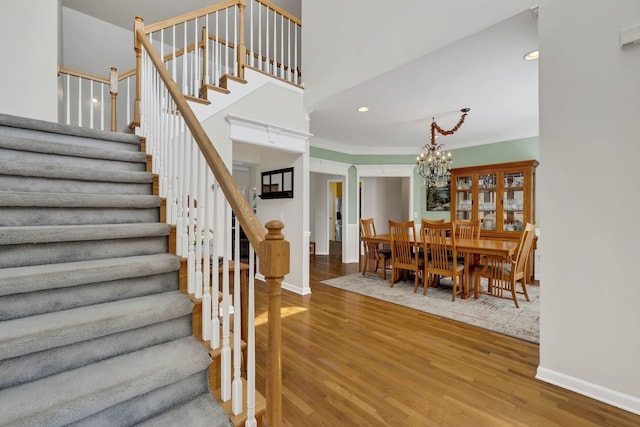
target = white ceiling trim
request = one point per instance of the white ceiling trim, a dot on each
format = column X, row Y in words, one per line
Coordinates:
column 385, row 170
column 330, row 167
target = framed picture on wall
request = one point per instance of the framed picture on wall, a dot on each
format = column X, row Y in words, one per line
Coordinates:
column 277, row 184
column 439, row 198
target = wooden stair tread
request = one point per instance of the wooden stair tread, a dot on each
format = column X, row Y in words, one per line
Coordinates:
column 238, row 420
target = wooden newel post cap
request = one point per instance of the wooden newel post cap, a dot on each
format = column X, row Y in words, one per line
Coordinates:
column 274, row 251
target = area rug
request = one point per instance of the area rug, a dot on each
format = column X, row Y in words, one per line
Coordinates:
column 486, row 312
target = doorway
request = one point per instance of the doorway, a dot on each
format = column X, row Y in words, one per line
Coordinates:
column 335, row 207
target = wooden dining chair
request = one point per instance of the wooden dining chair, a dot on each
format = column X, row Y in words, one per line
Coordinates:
column 504, row 273
column 467, row 230
column 381, row 256
column 441, row 256
column 404, row 252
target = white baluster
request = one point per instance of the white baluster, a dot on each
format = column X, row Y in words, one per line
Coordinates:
column 67, row 100
column 128, row 101
column 260, row 63
column 191, row 212
column 235, row 41
column 101, row 109
column 281, row 46
column 79, row 102
column 199, row 234
column 251, row 45
column 289, row 74
column 295, row 56
column 217, row 54
column 215, row 277
column 267, row 42
column 171, row 162
column 208, row 266
column 206, row 49
column 236, row 403
column 226, row 40
column 195, row 72
column 182, row 193
column 225, row 355
column 251, row 346
column 185, row 87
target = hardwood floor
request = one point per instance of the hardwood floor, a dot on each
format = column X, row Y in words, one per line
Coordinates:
column 350, row 360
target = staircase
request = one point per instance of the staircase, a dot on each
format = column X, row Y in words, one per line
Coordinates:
column 93, row 328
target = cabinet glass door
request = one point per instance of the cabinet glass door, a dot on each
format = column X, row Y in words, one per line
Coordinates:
column 464, row 199
column 487, row 201
column 513, row 201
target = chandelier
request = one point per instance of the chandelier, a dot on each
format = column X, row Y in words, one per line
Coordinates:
column 432, row 164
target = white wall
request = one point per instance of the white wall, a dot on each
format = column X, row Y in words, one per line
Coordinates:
column 29, row 31
column 384, row 199
column 588, row 175
column 94, row 46
column 282, row 107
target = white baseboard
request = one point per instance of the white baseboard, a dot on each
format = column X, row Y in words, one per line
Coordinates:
column 594, row 391
column 288, row 286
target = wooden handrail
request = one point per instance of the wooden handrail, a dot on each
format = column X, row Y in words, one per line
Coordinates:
column 82, row 75
column 121, row 76
column 127, row 74
column 189, row 16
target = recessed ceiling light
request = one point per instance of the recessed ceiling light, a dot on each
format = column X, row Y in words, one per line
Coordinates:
column 94, row 100
column 532, row 56
column 363, row 109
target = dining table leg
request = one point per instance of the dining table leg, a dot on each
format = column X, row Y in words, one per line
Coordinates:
column 466, row 291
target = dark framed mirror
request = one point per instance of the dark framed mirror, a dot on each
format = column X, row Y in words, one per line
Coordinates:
column 277, row 184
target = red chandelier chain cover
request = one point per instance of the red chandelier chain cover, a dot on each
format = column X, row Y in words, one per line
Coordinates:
column 435, row 126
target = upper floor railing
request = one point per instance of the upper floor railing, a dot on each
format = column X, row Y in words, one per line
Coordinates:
column 201, row 50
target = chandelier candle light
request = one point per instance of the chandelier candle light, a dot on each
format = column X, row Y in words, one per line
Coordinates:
column 432, row 164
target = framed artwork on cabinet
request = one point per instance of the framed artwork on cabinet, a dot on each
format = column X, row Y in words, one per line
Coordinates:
column 439, row 198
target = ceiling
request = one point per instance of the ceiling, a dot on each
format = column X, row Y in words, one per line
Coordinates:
column 485, row 72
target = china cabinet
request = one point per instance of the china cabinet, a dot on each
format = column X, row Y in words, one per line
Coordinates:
column 501, row 196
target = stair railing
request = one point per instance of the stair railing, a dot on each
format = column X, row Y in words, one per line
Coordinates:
column 193, row 179
column 92, row 101
column 274, row 41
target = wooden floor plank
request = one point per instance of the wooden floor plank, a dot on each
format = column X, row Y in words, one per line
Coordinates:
column 351, row 360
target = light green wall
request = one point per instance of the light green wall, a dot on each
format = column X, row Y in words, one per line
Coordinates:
column 499, row 152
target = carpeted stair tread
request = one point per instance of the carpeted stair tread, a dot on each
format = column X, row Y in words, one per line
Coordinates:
column 51, row 171
column 16, row 143
column 88, row 390
column 155, row 402
column 203, row 411
column 76, row 200
column 38, row 277
column 50, row 330
column 75, row 233
column 62, row 129
column 33, row 366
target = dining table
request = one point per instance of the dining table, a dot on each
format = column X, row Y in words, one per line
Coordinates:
column 476, row 247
